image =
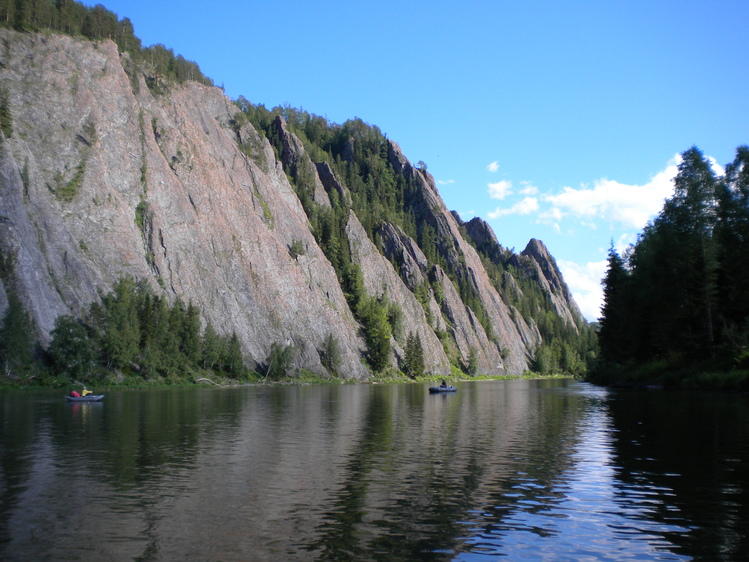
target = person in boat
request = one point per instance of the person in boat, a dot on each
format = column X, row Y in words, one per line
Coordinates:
column 443, row 384
column 75, row 394
column 86, row 392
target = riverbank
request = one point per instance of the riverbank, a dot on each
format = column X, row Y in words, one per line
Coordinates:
column 660, row 374
column 112, row 381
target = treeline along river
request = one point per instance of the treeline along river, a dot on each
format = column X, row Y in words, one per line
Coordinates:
column 530, row 469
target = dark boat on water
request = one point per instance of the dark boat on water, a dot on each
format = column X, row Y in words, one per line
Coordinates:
column 87, row 398
column 440, row 389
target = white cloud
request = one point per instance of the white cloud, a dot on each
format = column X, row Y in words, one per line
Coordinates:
column 717, row 168
column 629, row 205
column 584, row 281
column 623, row 242
column 528, row 188
column 554, row 215
column 445, row 182
column 524, row 207
column 492, row 166
column 500, row 189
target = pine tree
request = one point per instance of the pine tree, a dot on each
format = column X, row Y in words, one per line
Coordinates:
column 211, row 348
column 233, row 361
column 408, row 355
column 6, row 119
column 330, row 356
column 473, row 362
column 72, row 350
column 279, row 360
column 17, row 338
column 418, row 357
column 732, row 233
column 373, row 316
column 119, row 325
column 613, row 335
column 190, row 335
column 413, row 361
column 354, row 286
column 694, row 204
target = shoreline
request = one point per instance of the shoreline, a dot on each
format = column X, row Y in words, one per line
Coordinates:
column 660, row 376
column 302, row 380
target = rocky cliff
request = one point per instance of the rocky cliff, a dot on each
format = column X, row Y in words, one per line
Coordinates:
column 545, row 271
column 102, row 178
column 535, row 262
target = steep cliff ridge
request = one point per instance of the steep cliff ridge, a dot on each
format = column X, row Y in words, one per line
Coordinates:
column 534, row 262
column 484, row 239
column 254, row 219
column 550, row 278
column 381, row 279
column 121, row 182
column 512, row 337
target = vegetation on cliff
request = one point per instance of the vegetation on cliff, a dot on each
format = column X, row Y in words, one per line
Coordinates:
column 377, row 186
column 677, row 303
column 131, row 332
column 379, row 193
column 158, row 63
column 568, row 348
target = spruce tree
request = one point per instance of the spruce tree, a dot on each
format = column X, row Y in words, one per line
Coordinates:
column 330, row 356
column 6, row 118
column 413, row 361
column 211, row 348
column 233, row 361
column 473, row 362
column 732, row 233
column 418, row 357
column 72, row 350
column 119, row 326
column 613, row 335
column 377, row 332
column 17, row 339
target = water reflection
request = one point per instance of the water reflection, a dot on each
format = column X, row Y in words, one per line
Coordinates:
column 526, row 469
column 685, row 456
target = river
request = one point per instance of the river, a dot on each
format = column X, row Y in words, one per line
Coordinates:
column 544, row 469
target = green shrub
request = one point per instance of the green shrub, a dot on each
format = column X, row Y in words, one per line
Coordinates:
column 330, row 355
column 279, row 361
column 66, row 191
column 296, row 249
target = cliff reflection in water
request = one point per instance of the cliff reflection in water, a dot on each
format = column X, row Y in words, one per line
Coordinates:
column 522, row 468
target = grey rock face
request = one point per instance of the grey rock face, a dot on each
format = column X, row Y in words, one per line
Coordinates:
column 465, row 327
column 165, row 194
column 380, row 278
column 295, row 159
column 103, row 179
column 484, row 238
column 331, row 183
column 514, row 339
column 403, row 250
column 536, row 260
column 550, row 278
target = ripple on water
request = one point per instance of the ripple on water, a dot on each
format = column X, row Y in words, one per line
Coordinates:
column 519, row 470
column 608, row 519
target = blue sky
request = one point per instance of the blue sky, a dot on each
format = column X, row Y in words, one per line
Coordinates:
column 549, row 119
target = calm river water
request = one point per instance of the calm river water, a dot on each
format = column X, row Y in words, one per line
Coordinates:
column 555, row 470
